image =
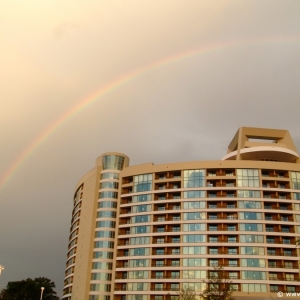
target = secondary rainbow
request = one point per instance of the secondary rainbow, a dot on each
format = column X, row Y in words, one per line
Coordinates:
column 122, row 80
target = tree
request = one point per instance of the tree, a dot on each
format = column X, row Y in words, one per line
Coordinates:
column 218, row 287
column 29, row 289
column 186, row 293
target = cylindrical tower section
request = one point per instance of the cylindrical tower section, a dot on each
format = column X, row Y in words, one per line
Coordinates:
column 91, row 243
column 105, row 225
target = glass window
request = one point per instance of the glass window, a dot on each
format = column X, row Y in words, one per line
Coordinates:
column 252, row 250
column 288, row 264
column 254, row 275
column 140, row 240
column 194, row 216
column 213, row 251
column 175, row 262
column 194, row 194
column 107, row 204
column 295, row 180
column 194, row 227
column 101, row 276
column 103, row 254
column 213, row 239
column 233, row 275
column 138, row 274
column 192, row 274
column 108, row 194
column 102, row 265
column 290, row 289
column 115, row 162
column 108, row 224
column 231, row 239
column 137, row 263
column 194, row 262
column 254, row 288
column 253, row 262
column 249, row 216
column 232, row 251
column 250, row 227
column 213, row 262
column 100, row 287
column 289, row 277
column 142, row 198
column 247, row 177
column 106, row 214
column 140, row 219
column 107, row 234
column 248, row 194
column 141, row 208
column 160, row 229
column 142, row 183
column 103, row 244
column 136, row 297
column 194, row 238
column 159, row 263
column 274, row 288
column 175, row 239
column 297, row 196
column 160, row 251
column 139, row 251
column 194, row 250
column 137, row 286
column 232, row 263
column 194, row 204
column 231, row 227
column 249, row 204
column 140, row 229
column 109, row 185
column 109, row 175
column 251, row 238
column 194, row 286
column 194, row 178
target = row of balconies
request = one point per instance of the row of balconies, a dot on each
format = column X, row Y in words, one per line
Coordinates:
column 210, row 194
column 211, row 173
column 166, row 296
column 167, row 185
column 214, row 262
column 213, row 205
column 220, row 227
column 211, row 227
column 283, row 276
column 275, row 184
column 213, row 216
column 157, row 176
column 275, row 173
column 157, row 197
column 210, row 250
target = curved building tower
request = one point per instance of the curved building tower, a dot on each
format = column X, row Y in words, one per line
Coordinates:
column 93, row 232
column 144, row 232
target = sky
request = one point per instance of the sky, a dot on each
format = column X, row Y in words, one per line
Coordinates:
column 160, row 81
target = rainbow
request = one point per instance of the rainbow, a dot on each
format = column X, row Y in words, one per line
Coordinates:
column 117, row 83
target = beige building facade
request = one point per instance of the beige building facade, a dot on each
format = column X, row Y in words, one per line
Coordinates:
column 143, row 232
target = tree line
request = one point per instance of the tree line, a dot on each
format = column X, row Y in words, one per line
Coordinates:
column 29, row 289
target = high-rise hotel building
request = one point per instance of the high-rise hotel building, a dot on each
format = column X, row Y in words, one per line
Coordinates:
column 143, row 232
